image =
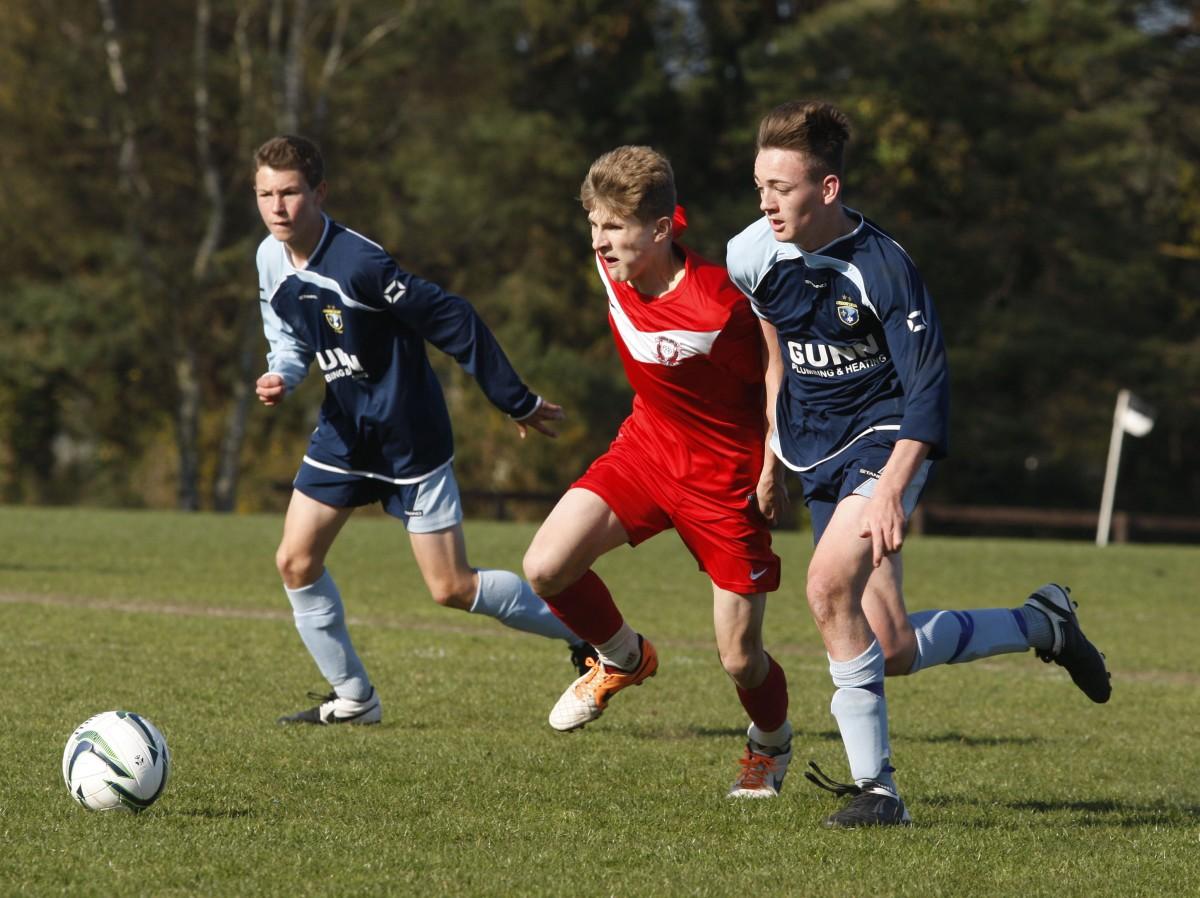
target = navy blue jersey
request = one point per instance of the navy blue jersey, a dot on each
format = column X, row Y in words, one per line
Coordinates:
column 365, row 321
column 861, row 343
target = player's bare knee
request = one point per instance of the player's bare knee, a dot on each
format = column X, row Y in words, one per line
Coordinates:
column 827, row 596
column 457, row 593
column 736, row 663
column 543, row 573
column 899, row 650
column 297, row 569
column 746, row 669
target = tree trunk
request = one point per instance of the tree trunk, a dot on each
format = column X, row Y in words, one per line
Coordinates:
column 137, row 189
column 229, row 461
column 187, row 379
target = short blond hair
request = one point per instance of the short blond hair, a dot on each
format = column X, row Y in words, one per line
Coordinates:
column 817, row 130
column 632, row 182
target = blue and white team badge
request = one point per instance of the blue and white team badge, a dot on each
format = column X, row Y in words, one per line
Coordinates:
column 847, row 310
column 333, row 317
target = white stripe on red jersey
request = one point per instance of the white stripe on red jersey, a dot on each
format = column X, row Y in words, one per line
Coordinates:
column 693, row 357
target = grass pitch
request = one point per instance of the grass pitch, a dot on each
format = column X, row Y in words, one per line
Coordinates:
column 1017, row 784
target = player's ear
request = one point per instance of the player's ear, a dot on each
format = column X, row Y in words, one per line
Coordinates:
column 831, row 189
column 320, row 190
column 662, row 229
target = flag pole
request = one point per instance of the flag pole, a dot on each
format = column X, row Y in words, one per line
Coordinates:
column 1104, row 523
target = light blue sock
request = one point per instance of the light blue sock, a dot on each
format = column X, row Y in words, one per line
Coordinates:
column 860, row 709
column 321, row 621
column 955, row 637
column 510, row 600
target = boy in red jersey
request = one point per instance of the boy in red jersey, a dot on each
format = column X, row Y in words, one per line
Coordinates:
column 689, row 457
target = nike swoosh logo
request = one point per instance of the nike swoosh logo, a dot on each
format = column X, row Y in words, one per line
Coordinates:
column 754, row 575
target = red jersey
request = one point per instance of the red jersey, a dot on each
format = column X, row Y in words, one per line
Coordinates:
column 693, row 357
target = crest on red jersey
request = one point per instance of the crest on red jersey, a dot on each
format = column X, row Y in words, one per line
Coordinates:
column 667, row 350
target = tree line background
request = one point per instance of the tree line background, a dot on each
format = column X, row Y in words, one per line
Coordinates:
column 1037, row 158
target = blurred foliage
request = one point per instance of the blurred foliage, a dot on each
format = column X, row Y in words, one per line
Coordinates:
column 1038, row 159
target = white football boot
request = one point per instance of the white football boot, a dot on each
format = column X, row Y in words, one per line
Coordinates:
column 586, row 698
column 333, row 709
column 762, row 772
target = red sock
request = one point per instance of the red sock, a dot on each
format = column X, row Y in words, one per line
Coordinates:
column 767, row 703
column 587, row 608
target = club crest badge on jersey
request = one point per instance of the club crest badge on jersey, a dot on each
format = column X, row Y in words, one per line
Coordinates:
column 847, row 310
column 333, row 317
column 667, row 351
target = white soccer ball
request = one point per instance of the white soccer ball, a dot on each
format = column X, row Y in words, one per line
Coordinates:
column 116, row 761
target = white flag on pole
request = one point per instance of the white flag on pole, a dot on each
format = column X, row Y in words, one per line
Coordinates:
column 1137, row 418
column 1133, row 417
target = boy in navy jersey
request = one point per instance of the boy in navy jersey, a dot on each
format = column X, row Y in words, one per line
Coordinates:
column 857, row 406
column 383, row 434
column 689, row 457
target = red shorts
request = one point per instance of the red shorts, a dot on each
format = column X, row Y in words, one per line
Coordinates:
column 726, row 534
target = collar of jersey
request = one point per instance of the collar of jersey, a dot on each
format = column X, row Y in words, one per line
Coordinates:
column 287, row 256
column 822, row 251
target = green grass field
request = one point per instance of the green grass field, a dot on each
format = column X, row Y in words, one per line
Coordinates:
column 1017, row 784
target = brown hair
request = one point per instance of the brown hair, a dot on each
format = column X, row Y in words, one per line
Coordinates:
column 289, row 152
column 632, row 182
column 817, row 130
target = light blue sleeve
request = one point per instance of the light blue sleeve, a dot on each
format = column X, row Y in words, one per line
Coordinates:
column 287, row 355
column 748, row 257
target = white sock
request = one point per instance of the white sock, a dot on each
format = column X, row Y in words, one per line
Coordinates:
column 955, row 637
column 624, row 650
column 860, row 709
column 770, row 739
column 510, row 600
column 321, row 621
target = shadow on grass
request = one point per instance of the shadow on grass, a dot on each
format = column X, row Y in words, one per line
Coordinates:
column 1092, row 812
column 953, row 738
column 698, row 732
column 949, row 738
column 712, row 732
column 1128, row 813
column 39, row 568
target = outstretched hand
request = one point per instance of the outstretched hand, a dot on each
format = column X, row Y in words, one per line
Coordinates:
column 547, row 411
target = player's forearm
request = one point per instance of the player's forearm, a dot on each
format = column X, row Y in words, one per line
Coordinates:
column 287, row 356
column 773, row 377
column 902, row 465
column 452, row 324
column 772, row 469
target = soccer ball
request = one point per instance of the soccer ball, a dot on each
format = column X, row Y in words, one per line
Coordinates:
column 116, row 761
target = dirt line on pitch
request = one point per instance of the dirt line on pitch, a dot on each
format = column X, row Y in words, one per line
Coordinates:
column 166, row 608
column 126, row 606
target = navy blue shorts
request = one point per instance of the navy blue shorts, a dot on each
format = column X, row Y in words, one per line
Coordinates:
column 854, row 472
column 427, row 506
